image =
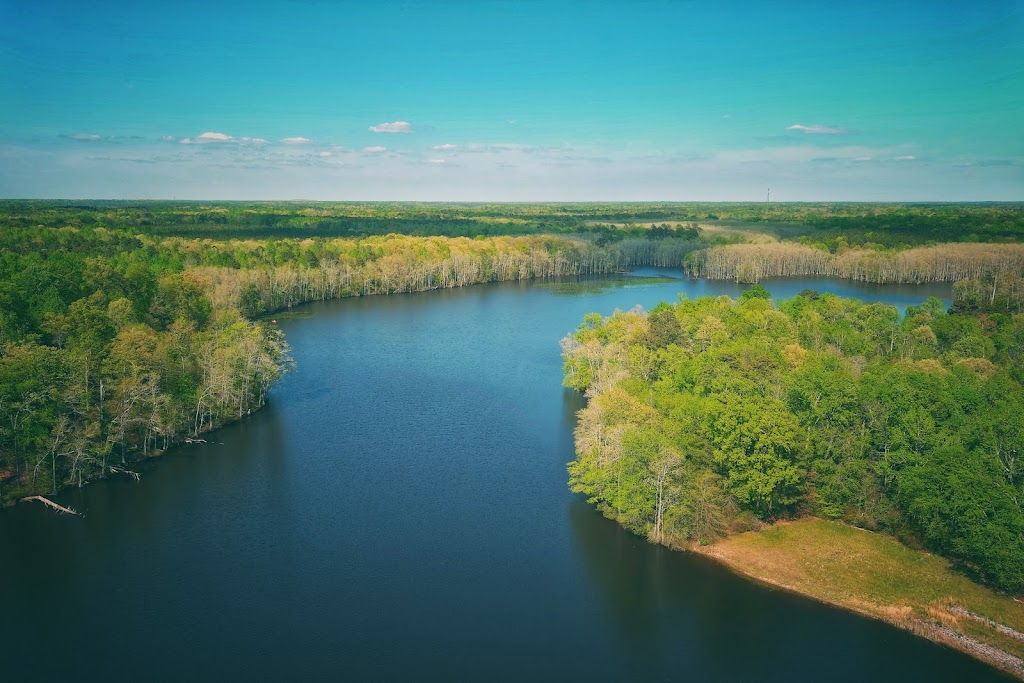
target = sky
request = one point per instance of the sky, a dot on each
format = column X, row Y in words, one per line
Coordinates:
column 892, row 100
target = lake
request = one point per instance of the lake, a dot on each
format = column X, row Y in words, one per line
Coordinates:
column 399, row 511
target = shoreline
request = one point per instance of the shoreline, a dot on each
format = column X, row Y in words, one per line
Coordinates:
column 190, row 440
column 941, row 627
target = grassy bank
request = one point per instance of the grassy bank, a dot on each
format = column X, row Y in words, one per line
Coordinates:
column 875, row 575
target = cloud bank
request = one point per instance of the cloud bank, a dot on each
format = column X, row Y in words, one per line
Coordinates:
column 210, row 137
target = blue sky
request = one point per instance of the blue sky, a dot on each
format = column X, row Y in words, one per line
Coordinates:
column 524, row 100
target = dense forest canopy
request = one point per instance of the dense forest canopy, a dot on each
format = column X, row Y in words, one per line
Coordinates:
column 827, row 224
column 115, row 344
column 713, row 415
column 128, row 326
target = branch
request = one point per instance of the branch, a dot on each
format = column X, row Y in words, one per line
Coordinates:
column 46, row 501
column 120, row 470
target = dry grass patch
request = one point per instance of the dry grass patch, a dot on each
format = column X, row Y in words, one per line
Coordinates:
column 876, row 575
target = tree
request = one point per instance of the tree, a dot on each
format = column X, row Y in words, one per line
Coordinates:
column 756, row 445
column 664, row 328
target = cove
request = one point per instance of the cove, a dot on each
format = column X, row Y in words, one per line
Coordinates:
column 399, row 511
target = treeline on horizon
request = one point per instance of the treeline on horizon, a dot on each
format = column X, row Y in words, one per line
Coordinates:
column 827, row 225
column 714, row 415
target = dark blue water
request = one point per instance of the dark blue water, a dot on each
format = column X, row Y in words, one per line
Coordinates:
column 399, row 512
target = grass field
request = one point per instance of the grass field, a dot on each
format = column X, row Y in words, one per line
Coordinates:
column 876, row 575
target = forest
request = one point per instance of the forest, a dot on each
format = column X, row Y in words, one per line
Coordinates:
column 751, row 263
column 115, row 346
column 127, row 327
column 827, row 225
column 714, row 415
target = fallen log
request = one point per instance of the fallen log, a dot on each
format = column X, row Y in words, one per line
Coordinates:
column 120, row 470
column 46, row 501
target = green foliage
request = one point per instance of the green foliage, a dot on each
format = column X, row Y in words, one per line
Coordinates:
column 664, row 327
column 756, row 445
column 834, row 226
column 990, row 293
column 103, row 362
column 755, row 292
column 126, row 327
column 829, row 406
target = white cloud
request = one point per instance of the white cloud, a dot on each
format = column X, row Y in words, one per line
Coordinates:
column 445, row 148
column 907, row 157
column 861, row 159
column 326, row 154
column 437, row 161
column 211, row 137
column 375, row 149
column 296, row 141
column 818, row 129
column 394, row 127
column 84, row 137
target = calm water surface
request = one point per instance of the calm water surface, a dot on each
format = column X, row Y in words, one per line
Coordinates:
column 399, row 512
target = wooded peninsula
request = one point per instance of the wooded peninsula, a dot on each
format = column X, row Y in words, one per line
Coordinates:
column 715, row 416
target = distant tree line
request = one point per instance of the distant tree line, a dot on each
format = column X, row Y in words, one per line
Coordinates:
column 751, row 263
column 828, row 225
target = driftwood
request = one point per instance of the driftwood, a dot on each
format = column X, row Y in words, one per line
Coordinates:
column 191, row 440
column 120, row 470
column 46, row 501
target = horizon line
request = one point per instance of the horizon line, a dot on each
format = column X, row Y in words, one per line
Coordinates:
column 517, row 201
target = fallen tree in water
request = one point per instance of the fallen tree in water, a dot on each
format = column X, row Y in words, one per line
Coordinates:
column 49, row 503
